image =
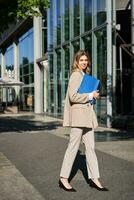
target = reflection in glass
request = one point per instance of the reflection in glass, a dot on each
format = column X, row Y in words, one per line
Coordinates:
column 31, row 78
column 50, row 28
column 102, row 73
column 26, row 47
column 88, row 43
column 31, row 67
column 101, row 11
column 26, row 70
column 67, row 66
column 51, row 85
column 59, row 79
column 25, row 61
column 51, row 97
column 51, row 67
column 44, row 33
column 101, row 59
column 88, row 14
column 26, row 101
column 58, row 21
column 88, row 46
column 66, row 22
column 76, row 46
column 9, row 62
column 76, row 18
column 26, row 79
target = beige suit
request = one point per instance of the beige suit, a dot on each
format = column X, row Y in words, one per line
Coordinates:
column 79, row 115
column 77, row 111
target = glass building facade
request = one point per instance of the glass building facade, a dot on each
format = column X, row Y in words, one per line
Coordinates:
column 9, row 61
column 18, row 65
column 26, row 70
column 9, row 92
column 40, row 52
column 74, row 25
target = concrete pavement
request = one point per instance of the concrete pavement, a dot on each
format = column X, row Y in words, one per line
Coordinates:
column 31, row 152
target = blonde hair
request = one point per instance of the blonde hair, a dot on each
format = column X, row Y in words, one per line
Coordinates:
column 77, row 56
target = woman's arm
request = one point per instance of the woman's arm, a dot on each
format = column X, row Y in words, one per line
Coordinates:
column 74, row 84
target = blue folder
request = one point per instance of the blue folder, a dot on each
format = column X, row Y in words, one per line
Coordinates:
column 89, row 84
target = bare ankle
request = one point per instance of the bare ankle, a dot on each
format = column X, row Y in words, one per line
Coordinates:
column 63, row 178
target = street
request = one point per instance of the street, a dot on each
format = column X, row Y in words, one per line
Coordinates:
column 31, row 153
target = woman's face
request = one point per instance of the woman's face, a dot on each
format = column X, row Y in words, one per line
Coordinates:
column 83, row 62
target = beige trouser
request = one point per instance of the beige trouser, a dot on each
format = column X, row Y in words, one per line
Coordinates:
column 87, row 136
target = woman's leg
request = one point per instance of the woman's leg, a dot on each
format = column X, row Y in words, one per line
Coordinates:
column 91, row 159
column 70, row 154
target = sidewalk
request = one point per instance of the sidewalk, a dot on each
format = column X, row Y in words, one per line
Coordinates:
column 31, row 152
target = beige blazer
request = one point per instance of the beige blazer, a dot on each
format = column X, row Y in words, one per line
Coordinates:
column 77, row 111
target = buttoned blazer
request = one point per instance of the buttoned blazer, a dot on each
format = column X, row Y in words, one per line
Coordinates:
column 78, row 112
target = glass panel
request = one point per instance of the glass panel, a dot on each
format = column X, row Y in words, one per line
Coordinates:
column 66, row 22
column 26, row 79
column 24, row 51
column 44, row 33
column 50, row 28
column 67, row 66
column 31, row 78
column 102, row 72
column 51, row 70
column 88, row 14
column 88, row 45
column 51, row 85
column 30, row 48
column 101, row 11
column 9, row 62
column 76, row 18
column 51, row 97
column 58, row 22
column 76, row 45
column 27, row 99
column 59, row 79
column 31, row 67
column 26, row 70
column 102, row 59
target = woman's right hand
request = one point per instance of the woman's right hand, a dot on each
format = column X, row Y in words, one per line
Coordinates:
column 96, row 95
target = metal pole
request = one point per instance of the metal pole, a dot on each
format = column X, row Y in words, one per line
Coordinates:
column 120, row 49
column 109, row 62
column 114, row 57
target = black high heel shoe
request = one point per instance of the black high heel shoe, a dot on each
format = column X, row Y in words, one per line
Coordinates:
column 93, row 185
column 66, row 189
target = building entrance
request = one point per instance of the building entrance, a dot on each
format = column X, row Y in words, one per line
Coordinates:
column 124, row 64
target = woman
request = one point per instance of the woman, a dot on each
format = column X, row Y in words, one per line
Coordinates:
column 80, row 116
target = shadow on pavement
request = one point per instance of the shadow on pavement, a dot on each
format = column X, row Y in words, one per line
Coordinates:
column 25, row 123
column 79, row 164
